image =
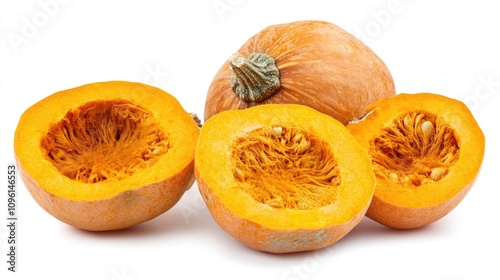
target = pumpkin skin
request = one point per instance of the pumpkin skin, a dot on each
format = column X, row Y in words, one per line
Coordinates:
column 78, row 150
column 265, row 203
column 319, row 65
column 426, row 149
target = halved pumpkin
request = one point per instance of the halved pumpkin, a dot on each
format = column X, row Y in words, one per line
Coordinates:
column 426, row 150
column 107, row 155
column 282, row 178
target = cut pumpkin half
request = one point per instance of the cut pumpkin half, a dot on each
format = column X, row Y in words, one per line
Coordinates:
column 106, row 155
column 282, row 178
column 426, row 150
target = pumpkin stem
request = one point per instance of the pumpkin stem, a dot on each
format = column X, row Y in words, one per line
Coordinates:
column 196, row 119
column 255, row 78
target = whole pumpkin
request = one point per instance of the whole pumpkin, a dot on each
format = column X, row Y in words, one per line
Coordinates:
column 313, row 63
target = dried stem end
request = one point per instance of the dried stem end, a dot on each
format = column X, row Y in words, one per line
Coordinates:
column 196, row 119
column 256, row 78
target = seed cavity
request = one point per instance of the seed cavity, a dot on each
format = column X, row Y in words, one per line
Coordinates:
column 105, row 141
column 414, row 149
column 277, row 131
column 285, row 167
column 437, row 173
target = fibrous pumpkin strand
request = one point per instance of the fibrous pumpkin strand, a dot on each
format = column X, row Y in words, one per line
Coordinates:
column 255, row 78
column 415, row 149
column 104, row 140
column 285, row 167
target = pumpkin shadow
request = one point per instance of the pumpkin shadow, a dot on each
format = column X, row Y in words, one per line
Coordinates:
column 189, row 215
column 366, row 232
column 368, row 228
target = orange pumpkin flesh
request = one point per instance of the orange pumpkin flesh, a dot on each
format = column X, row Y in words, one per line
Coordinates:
column 426, row 151
column 108, row 155
column 282, row 178
column 313, row 63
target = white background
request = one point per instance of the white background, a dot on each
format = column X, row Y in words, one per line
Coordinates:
column 450, row 47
